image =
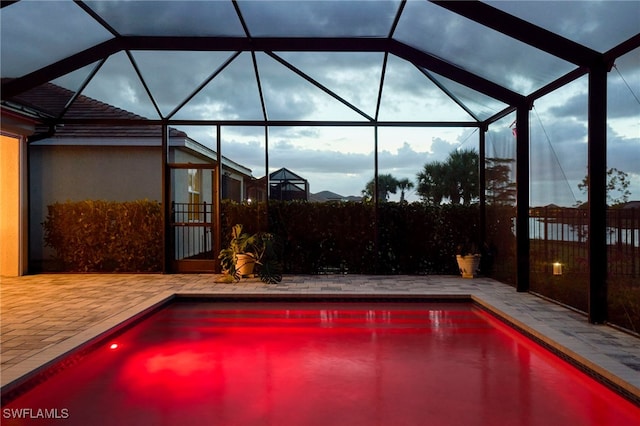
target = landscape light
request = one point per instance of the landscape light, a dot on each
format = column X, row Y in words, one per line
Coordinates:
column 557, row 268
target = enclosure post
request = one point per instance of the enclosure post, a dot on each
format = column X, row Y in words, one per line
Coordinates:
column 482, row 182
column 217, row 228
column 166, row 196
column 266, row 174
column 522, row 197
column 597, row 178
column 375, row 196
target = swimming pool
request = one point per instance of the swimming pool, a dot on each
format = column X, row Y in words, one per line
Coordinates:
column 307, row 363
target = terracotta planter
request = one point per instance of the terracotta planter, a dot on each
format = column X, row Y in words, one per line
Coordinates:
column 468, row 265
column 245, row 264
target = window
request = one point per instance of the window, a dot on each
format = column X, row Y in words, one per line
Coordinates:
column 195, row 183
column 231, row 188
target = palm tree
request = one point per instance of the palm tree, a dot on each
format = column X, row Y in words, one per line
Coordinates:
column 463, row 176
column 404, row 185
column 386, row 184
column 455, row 179
column 431, row 182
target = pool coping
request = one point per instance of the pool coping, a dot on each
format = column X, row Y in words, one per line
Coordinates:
column 28, row 373
column 571, row 355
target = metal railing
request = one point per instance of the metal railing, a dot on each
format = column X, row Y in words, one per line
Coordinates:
column 192, row 225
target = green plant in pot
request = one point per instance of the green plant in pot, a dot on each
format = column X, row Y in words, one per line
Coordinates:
column 249, row 254
column 468, row 257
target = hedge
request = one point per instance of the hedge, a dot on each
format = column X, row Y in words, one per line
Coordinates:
column 103, row 236
column 353, row 237
column 106, row 236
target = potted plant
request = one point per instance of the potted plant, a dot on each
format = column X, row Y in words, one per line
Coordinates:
column 248, row 254
column 468, row 257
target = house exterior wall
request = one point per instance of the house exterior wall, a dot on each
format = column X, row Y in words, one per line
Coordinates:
column 13, row 209
column 76, row 173
column 77, row 170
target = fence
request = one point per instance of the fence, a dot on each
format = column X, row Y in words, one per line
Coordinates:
column 561, row 235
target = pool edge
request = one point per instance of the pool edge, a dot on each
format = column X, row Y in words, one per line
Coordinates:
column 592, row 369
column 19, row 375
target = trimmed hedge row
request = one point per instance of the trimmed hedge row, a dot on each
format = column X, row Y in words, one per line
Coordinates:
column 102, row 236
column 339, row 237
column 106, row 236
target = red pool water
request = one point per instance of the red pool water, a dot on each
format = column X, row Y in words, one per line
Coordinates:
column 320, row 364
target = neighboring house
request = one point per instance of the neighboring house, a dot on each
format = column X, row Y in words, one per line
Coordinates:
column 111, row 162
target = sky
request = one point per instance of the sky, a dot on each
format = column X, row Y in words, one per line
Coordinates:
column 341, row 159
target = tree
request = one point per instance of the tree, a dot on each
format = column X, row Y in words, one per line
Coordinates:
column 455, row 179
column 431, row 182
column 386, row 184
column 617, row 184
column 404, row 185
column 463, row 176
column 501, row 189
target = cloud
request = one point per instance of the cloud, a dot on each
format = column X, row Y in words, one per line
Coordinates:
column 404, row 162
column 283, row 153
column 354, row 76
column 624, row 154
column 35, row 34
column 319, row 18
column 575, row 107
column 559, row 156
column 476, row 48
column 441, row 148
column 182, row 73
column 170, row 17
column 621, row 102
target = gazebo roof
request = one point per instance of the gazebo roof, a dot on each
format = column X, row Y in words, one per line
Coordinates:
column 286, row 175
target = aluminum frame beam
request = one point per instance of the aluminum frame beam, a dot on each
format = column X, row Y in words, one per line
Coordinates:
column 522, row 30
column 261, row 44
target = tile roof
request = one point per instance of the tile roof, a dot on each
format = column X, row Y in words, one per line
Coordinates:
column 50, row 101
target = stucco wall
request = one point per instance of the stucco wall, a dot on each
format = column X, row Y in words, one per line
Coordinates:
column 76, row 173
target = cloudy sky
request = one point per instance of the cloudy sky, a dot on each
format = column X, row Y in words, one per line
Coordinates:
column 341, row 159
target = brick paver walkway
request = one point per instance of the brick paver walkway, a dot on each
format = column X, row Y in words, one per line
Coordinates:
column 45, row 316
